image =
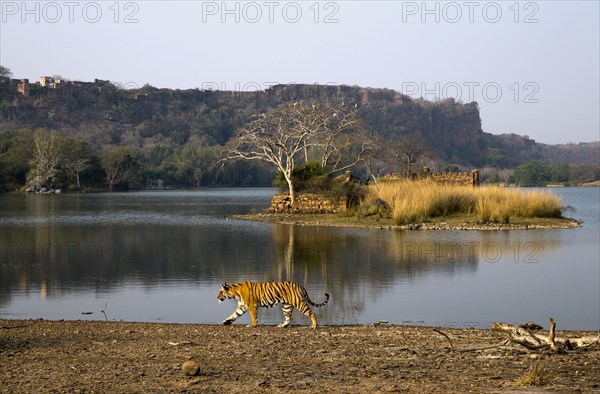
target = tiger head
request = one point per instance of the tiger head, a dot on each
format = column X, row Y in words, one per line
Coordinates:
column 225, row 293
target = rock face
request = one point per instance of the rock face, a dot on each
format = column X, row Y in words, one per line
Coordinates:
column 103, row 114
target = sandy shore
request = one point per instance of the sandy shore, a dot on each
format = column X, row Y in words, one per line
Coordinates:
column 121, row 357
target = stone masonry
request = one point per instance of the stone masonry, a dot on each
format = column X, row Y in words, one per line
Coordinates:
column 454, row 178
column 315, row 203
column 306, row 203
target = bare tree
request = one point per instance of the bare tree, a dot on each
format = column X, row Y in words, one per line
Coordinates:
column 276, row 137
column 343, row 141
column 76, row 157
column 411, row 153
column 46, row 159
column 297, row 132
column 374, row 160
column 407, row 155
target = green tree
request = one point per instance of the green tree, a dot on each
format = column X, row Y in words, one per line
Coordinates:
column 5, row 72
column 121, row 165
column 188, row 165
column 494, row 156
column 16, row 150
column 94, row 175
column 560, row 173
column 305, row 176
column 194, row 164
column 534, row 173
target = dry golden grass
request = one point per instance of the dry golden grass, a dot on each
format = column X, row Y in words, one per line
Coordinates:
column 418, row 201
column 537, row 375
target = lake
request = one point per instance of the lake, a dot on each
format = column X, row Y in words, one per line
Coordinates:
column 161, row 256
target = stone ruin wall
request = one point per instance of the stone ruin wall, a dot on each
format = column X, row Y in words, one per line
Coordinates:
column 306, row 203
column 453, row 178
column 315, row 203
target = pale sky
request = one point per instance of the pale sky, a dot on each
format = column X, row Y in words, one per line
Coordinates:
column 533, row 66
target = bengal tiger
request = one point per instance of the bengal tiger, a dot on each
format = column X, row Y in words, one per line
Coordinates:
column 251, row 295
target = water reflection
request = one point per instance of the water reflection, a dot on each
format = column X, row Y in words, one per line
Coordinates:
column 160, row 248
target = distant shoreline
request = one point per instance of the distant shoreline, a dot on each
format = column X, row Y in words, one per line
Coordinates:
column 168, row 189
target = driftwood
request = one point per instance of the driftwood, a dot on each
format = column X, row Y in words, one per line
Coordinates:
column 532, row 341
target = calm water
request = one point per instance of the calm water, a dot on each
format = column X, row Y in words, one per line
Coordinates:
column 161, row 256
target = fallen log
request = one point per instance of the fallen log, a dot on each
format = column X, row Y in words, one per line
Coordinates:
column 532, row 341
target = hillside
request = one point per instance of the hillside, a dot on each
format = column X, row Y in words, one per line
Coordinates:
column 105, row 116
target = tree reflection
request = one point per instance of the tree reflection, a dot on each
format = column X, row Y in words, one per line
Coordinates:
column 355, row 266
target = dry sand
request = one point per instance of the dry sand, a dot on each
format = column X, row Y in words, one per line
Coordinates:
column 121, row 357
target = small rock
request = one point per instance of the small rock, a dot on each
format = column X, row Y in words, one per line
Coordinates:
column 190, row 368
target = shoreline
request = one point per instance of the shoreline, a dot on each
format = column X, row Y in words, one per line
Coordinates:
column 96, row 356
column 456, row 224
column 301, row 323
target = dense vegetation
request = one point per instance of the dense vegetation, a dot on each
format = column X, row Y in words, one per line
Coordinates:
column 539, row 173
column 45, row 159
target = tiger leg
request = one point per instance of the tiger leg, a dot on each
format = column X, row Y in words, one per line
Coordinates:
column 241, row 309
column 253, row 315
column 308, row 313
column 287, row 313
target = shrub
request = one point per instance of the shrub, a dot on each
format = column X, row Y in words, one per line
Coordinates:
column 310, row 177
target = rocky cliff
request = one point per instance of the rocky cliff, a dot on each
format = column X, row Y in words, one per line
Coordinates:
column 104, row 115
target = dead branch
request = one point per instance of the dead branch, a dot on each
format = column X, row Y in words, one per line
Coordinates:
column 445, row 336
column 469, row 349
column 11, row 327
column 104, row 309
